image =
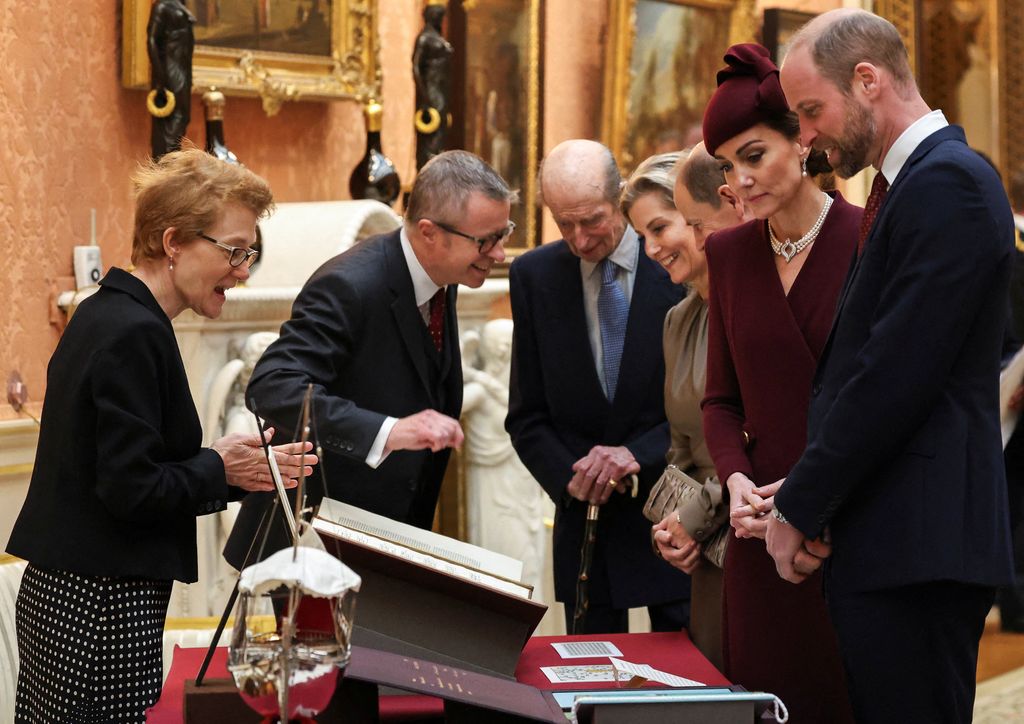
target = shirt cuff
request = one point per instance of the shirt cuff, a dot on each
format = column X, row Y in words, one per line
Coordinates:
column 377, row 455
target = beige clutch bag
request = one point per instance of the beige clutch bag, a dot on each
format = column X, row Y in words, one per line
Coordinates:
column 673, row 489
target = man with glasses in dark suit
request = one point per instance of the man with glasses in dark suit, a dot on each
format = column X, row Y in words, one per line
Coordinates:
column 374, row 330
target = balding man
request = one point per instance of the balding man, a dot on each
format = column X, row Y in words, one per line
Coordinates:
column 585, row 401
column 903, row 463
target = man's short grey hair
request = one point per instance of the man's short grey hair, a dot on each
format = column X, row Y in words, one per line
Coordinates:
column 445, row 182
column 701, row 174
column 857, row 38
column 611, row 185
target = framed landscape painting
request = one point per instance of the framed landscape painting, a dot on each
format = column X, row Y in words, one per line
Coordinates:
column 663, row 58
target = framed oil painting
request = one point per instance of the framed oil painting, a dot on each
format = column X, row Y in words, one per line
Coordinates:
column 277, row 49
column 496, row 98
column 779, row 28
column 660, row 73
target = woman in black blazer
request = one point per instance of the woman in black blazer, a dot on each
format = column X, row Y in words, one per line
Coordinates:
column 119, row 478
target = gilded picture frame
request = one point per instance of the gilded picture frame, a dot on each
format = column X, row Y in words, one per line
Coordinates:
column 965, row 56
column 497, row 86
column 660, row 70
column 779, row 27
column 348, row 69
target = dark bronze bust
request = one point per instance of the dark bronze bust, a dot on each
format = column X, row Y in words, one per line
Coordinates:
column 431, row 60
column 169, row 43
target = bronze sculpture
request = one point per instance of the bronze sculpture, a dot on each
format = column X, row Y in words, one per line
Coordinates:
column 169, row 44
column 431, row 60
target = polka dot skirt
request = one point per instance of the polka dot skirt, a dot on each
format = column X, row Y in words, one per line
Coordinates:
column 90, row 647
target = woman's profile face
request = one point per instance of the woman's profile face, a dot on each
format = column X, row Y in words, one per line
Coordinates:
column 668, row 240
column 763, row 168
column 202, row 273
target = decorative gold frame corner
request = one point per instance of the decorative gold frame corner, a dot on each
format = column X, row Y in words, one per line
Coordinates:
column 351, row 71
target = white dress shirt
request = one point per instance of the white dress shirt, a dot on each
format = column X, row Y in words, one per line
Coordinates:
column 909, row 140
column 424, row 289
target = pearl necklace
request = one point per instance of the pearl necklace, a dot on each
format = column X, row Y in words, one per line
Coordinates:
column 788, row 249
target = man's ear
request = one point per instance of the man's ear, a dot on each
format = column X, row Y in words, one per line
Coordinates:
column 427, row 230
column 866, row 79
column 730, row 197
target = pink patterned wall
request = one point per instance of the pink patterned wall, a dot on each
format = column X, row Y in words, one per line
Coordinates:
column 70, row 137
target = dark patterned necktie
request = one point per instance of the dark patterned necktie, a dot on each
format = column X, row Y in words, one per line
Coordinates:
column 436, row 325
column 612, row 315
column 879, row 187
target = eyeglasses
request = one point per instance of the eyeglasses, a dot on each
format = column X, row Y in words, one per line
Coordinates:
column 486, row 243
column 236, row 254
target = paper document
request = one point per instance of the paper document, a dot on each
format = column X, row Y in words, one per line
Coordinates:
column 1009, row 380
column 581, row 674
column 645, row 671
column 586, row 649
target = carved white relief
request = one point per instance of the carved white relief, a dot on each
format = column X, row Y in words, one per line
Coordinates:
column 506, row 506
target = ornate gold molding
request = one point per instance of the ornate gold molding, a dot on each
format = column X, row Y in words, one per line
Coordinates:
column 533, row 121
column 902, row 14
column 1011, row 86
column 352, row 70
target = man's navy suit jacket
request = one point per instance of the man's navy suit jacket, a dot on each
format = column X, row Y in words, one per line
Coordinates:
column 558, row 411
column 904, row 459
column 357, row 335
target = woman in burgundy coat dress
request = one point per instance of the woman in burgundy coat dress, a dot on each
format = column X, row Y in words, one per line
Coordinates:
column 774, row 284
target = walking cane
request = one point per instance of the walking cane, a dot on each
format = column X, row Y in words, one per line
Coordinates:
column 579, row 613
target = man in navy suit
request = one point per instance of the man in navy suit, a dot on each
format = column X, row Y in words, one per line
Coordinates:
column 904, row 463
column 586, row 407
column 374, row 331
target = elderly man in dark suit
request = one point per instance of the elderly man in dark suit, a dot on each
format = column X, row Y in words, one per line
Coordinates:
column 374, row 331
column 903, row 463
column 585, row 400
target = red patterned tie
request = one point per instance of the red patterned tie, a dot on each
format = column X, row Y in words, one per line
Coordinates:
column 879, row 187
column 437, row 318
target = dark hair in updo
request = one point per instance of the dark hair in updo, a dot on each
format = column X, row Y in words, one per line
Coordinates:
column 789, row 126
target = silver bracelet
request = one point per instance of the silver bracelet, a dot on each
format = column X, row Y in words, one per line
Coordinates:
column 777, row 514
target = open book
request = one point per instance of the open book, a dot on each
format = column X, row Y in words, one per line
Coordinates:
column 447, row 555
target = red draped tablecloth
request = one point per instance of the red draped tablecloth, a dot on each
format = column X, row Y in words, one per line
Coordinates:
column 669, row 652
column 673, row 653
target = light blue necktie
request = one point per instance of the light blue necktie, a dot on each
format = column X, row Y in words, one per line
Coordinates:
column 612, row 314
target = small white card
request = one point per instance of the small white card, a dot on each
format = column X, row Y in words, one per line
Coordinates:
column 586, row 649
column 582, row 674
column 626, row 670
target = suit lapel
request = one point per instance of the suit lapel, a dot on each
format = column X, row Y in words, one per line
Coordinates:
column 407, row 315
column 560, row 315
column 949, row 133
column 450, row 356
column 643, row 330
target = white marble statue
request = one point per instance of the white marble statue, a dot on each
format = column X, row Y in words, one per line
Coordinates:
column 506, row 506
